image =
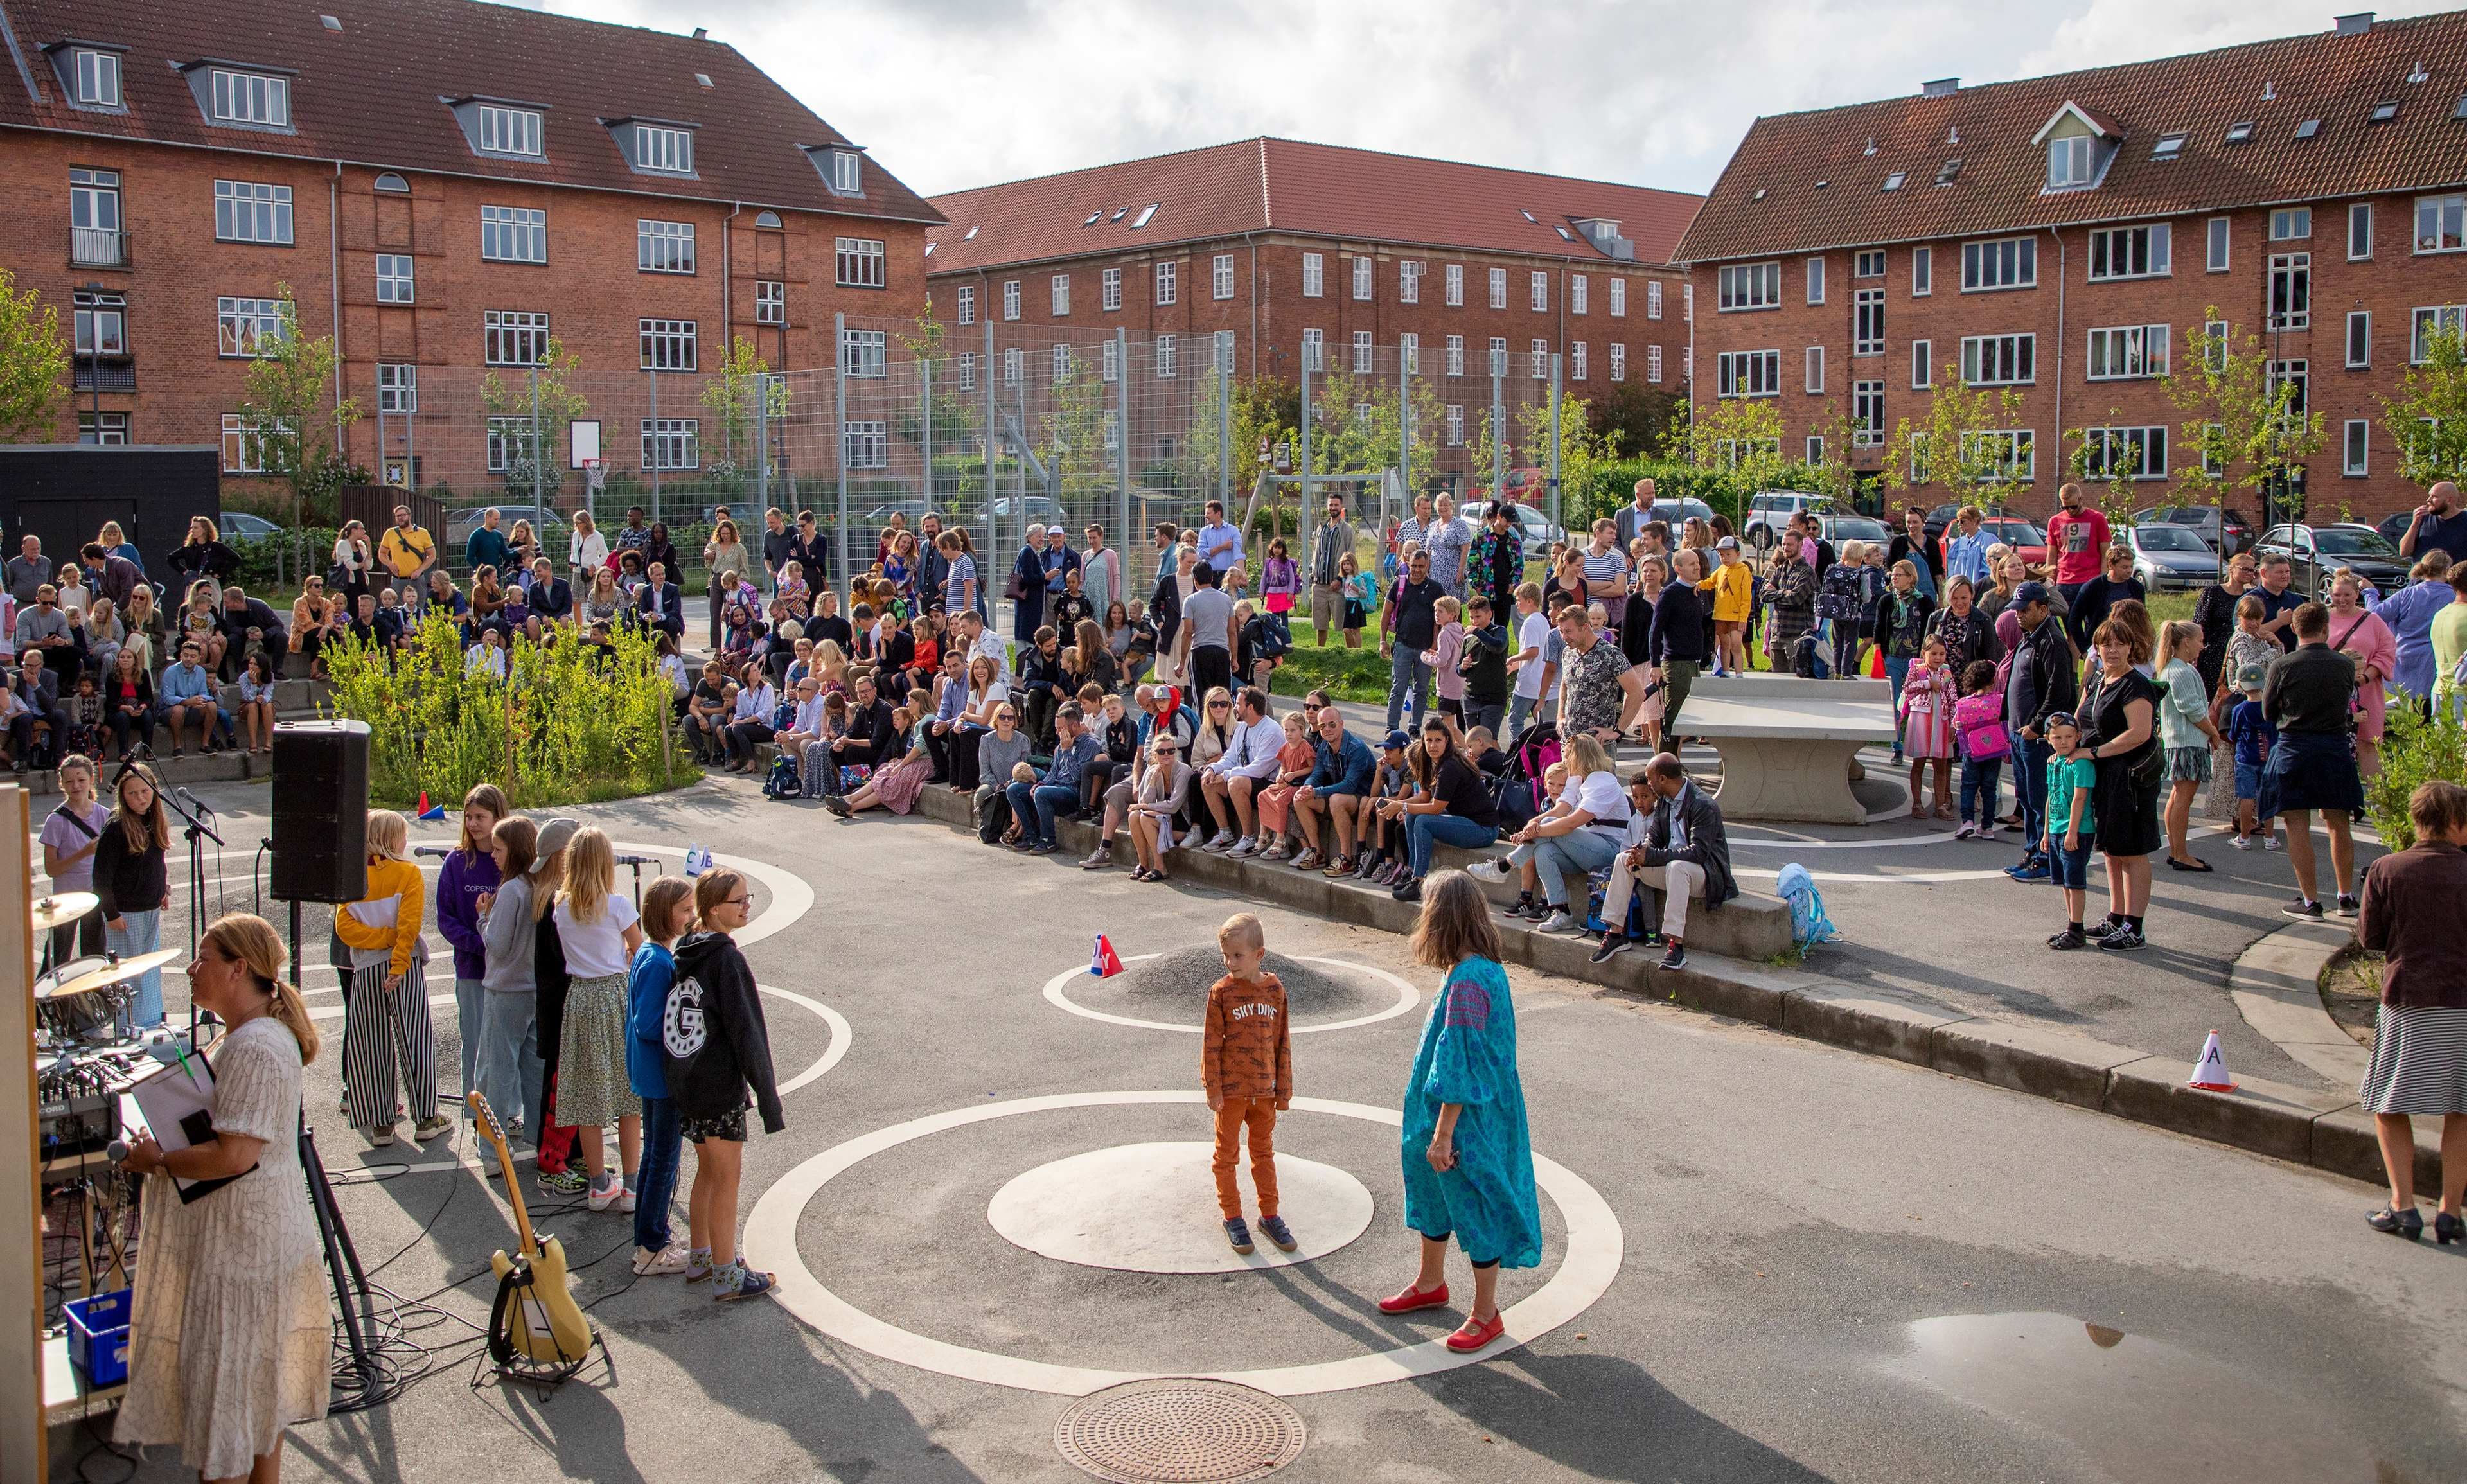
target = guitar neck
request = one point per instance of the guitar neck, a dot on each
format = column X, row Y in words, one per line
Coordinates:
column 505, row 1165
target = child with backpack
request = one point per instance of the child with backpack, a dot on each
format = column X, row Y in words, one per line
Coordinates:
column 2252, row 734
column 667, row 914
column 1978, row 735
column 717, row 1048
column 1443, row 657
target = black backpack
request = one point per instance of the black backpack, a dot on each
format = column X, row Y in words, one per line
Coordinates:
column 782, row 782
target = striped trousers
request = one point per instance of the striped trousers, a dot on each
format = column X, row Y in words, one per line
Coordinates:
column 385, row 1031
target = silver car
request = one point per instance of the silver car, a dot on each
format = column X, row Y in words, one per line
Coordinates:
column 2171, row 559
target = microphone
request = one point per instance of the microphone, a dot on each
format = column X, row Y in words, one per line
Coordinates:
column 637, row 860
column 195, row 804
column 117, row 1151
column 440, row 851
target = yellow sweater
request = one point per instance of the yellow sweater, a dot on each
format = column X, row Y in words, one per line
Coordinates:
column 1733, row 586
column 399, row 878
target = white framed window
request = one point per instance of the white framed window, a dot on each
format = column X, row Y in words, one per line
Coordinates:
column 1866, row 414
column 1922, row 272
column 94, row 219
column 514, row 337
column 860, row 263
column 1814, row 271
column 967, row 371
column 395, row 284
column 2441, row 223
column 1109, row 289
column 1619, row 361
column 866, row 444
column 1456, row 362
column 1868, row 263
column 667, row 344
column 1538, row 292
column 2422, row 325
column 2214, row 438
column 1408, row 349
column 1922, row 365
column 2360, row 338
column 2355, row 460
column 2007, row 262
column 671, row 443
column 2000, row 360
column 508, row 439
column 665, row 246
column 2297, row 374
column 2135, row 453
column 1576, row 360
column 2214, row 336
column 1653, row 363
column 98, row 78
column 248, row 211
column 1164, row 358
column 2290, row 224
column 667, row 150
column 1455, row 425
column 1061, row 295
column 1498, row 289
column 967, row 303
column 2360, row 230
column 1619, row 298
column 1063, row 363
column 1110, row 423
column 2128, row 353
column 1109, row 362
column 247, row 327
column 107, row 429
column 770, row 301
column 1867, row 322
column 1456, row 285
column 250, row 97
column 1220, row 276
column 1747, row 373
column 1225, row 352
column 2071, row 162
column 2129, row 252
column 102, row 321
column 1362, row 353
column 2008, row 453
column 1499, row 355
column 1314, row 358
column 865, row 352
column 397, row 387
column 1576, row 293
column 1541, row 359
column 1010, row 299
column 1752, row 285
column 1167, row 283
column 2215, row 255
column 504, row 131
column 1813, row 450
column 2290, row 290
column 513, row 234
column 1653, row 298
column 1814, row 376
column 1408, row 281
column 1362, row 270
column 848, row 173
column 1014, row 366
column 1730, row 450
column 1314, row 275
column 243, row 444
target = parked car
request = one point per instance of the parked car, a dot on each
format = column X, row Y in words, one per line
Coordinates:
column 1942, row 516
column 1534, row 522
column 880, row 515
column 1041, row 510
column 2023, row 536
column 2204, row 520
column 240, row 525
column 2319, row 552
column 1770, row 511
column 2393, row 526
column 2171, row 559
column 1833, row 528
column 550, row 525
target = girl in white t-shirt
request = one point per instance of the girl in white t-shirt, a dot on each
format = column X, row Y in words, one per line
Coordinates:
column 600, row 930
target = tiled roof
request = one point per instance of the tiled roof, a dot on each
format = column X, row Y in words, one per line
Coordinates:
column 374, row 92
column 1807, row 181
column 1284, row 185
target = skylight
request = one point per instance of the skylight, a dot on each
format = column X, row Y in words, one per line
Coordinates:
column 704, row 78
column 1893, row 182
column 1529, row 216
column 2168, row 148
column 1821, row 184
column 2461, row 112
column 1093, row 217
column 2238, row 133
column 2308, row 128
column 1759, row 194
column 970, row 236
column 1148, row 214
column 1565, row 235
column 1120, row 212
column 2384, row 112
column 330, row 22
column 1946, row 171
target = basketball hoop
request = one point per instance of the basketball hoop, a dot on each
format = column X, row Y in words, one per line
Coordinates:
column 595, row 474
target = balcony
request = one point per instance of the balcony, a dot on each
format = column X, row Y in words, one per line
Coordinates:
column 113, row 373
column 98, row 247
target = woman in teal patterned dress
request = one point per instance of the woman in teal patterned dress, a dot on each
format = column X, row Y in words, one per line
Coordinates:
column 1468, row 1163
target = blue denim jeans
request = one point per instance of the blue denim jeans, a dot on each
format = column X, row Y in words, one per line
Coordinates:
column 2030, row 786
column 1896, row 671
column 510, row 1065
column 143, row 935
column 655, row 1179
column 1582, row 851
column 469, row 1001
column 1407, row 675
column 1978, row 776
column 1035, row 807
column 1422, row 831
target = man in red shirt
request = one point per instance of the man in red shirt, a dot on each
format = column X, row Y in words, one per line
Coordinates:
column 2076, row 542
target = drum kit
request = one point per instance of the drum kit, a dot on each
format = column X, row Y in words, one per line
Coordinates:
column 84, row 1001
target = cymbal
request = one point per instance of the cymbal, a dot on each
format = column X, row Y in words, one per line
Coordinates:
column 58, row 911
column 119, row 973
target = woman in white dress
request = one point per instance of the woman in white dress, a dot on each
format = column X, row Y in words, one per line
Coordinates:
column 588, row 550
column 230, row 1341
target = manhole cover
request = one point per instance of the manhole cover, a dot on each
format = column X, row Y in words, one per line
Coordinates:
column 1179, row 1431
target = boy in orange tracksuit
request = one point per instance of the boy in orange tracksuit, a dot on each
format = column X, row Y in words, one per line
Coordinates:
column 1246, row 1063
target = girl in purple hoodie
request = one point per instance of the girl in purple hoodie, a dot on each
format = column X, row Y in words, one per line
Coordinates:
column 469, row 871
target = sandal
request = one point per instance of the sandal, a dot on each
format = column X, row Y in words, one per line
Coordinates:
column 2175, row 864
column 754, row 1285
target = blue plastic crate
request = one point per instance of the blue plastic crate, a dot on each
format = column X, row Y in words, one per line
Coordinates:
column 99, row 1337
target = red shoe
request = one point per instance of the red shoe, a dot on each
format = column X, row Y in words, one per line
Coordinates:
column 1413, row 1298
column 1472, row 1335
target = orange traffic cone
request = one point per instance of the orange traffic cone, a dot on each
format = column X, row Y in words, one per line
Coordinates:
column 2211, row 1072
column 1103, row 963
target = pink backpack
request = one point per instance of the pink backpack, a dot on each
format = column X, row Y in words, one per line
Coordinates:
column 1978, row 725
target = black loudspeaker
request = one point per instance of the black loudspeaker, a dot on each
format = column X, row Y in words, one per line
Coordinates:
column 321, row 811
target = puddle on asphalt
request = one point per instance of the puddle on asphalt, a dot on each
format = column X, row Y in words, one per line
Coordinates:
column 2133, row 1407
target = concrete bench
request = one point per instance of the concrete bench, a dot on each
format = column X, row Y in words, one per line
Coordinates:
column 1790, row 747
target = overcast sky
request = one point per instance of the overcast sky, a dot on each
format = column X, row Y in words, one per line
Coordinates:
column 956, row 93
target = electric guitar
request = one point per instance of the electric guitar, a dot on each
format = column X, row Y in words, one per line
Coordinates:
column 538, row 1317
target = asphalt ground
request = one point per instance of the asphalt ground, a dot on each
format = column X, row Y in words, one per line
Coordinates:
column 1830, row 1266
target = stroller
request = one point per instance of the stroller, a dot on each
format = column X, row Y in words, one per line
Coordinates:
column 1518, row 793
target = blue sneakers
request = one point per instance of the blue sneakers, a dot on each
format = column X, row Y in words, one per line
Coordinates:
column 1277, row 1232
column 1238, row 1235
column 2035, row 868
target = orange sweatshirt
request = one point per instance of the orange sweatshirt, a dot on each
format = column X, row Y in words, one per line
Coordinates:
column 1249, row 1049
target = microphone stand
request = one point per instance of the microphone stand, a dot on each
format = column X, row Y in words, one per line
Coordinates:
column 193, row 812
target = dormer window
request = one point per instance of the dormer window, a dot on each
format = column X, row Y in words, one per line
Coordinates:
column 97, row 74
column 507, row 130
column 659, row 147
column 847, row 172
column 249, row 97
column 2071, row 162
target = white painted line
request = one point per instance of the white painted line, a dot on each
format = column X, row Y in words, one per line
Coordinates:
column 1407, row 997
column 1595, row 1247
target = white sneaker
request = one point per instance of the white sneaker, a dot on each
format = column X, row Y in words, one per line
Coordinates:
column 625, row 1202
column 1493, row 869
column 602, row 1197
column 1561, row 922
column 1243, row 848
column 2242, row 841
column 1223, row 841
column 672, row 1258
column 2272, row 842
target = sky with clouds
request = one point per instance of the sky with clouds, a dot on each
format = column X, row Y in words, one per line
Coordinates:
column 949, row 93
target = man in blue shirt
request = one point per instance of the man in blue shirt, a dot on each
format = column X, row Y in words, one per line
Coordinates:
column 1058, row 791
column 185, row 693
column 1220, row 545
column 2439, row 524
column 1339, row 779
column 1965, row 548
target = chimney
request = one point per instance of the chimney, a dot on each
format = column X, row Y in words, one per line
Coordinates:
column 2359, row 24
column 1941, row 87
column 700, row 33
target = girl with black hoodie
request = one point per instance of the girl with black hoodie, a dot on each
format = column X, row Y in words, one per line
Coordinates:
column 717, row 1048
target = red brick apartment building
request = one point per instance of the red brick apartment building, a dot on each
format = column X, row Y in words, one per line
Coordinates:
column 443, row 183
column 1255, row 250
column 2069, row 236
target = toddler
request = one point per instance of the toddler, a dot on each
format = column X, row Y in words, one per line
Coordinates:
column 1927, row 725
column 2251, row 733
column 1246, row 1063
column 1979, row 732
column 2072, row 774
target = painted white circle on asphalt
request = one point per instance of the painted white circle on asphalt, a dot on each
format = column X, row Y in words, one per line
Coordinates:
column 1057, row 991
column 1145, row 1208
column 1595, row 1246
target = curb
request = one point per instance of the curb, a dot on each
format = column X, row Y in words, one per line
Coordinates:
column 2323, row 1129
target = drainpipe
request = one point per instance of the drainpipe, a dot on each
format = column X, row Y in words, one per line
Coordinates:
column 2062, row 344
column 334, row 294
column 727, row 282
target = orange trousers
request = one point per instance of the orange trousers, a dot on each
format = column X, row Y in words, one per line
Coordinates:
column 1260, row 1115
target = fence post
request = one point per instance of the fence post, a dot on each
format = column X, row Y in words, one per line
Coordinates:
column 1404, row 435
column 839, row 359
column 656, row 459
column 539, row 497
column 1122, row 441
column 992, row 442
column 1225, row 431
column 925, row 380
column 1305, row 428
column 1555, row 519
column 761, row 441
column 1498, row 430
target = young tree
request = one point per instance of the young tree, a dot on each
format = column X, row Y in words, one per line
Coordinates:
column 290, row 410
column 1834, row 477
column 1264, row 414
column 560, row 402
column 1962, row 447
column 1583, row 454
column 2427, row 419
column 33, row 360
column 729, row 395
column 1736, row 440
column 2103, row 459
column 2242, row 428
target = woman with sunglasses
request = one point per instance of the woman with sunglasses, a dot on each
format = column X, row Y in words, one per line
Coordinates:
column 1162, row 792
column 999, row 752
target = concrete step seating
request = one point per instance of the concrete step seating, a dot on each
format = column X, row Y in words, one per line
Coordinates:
column 294, row 700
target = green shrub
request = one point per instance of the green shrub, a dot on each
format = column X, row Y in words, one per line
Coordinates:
column 566, row 728
column 271, row 567
column 2415, row 752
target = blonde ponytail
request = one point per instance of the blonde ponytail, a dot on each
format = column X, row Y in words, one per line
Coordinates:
column 253, row 941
